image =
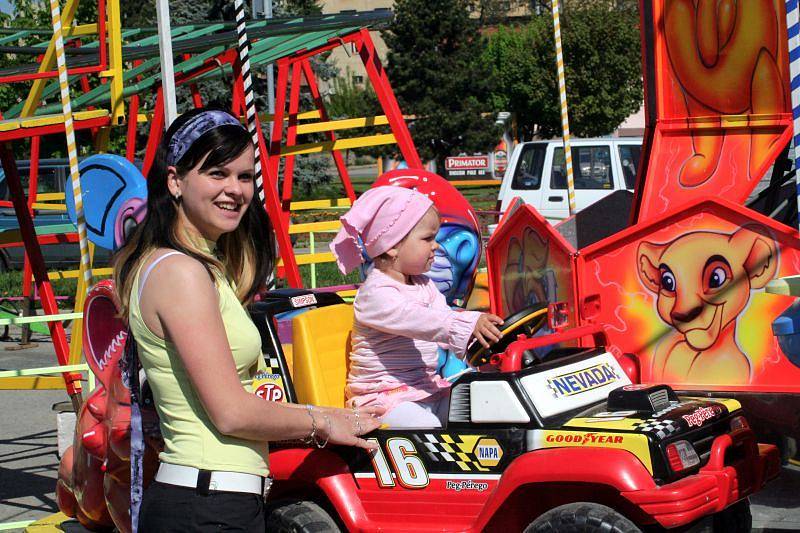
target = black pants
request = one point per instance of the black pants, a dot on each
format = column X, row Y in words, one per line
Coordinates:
column 172, row 509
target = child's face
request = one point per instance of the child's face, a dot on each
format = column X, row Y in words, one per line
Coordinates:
column 415, row 252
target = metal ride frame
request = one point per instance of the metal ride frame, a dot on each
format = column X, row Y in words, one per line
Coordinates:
column 207, row 51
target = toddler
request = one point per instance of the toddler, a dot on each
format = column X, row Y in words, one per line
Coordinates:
column 400, row 316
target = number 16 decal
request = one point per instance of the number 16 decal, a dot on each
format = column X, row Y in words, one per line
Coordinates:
column 411, row 473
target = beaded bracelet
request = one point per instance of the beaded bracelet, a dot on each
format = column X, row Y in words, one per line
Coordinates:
column 312, row 437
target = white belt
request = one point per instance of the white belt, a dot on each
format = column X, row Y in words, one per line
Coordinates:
column 187, row 476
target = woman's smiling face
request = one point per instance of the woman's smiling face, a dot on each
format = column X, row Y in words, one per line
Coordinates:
column 213, row 201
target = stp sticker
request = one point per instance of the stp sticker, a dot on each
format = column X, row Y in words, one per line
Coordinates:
column 269, row 387
column 304, row 300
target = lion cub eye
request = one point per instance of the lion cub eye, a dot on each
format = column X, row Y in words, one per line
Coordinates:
column 668, row 282
column 716, row 274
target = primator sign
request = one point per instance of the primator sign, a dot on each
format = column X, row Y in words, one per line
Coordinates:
column 476, row 162
column 476, row 165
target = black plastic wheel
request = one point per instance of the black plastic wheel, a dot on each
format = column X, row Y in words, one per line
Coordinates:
column 294, row 516
column 582, row 518
column 734, row 519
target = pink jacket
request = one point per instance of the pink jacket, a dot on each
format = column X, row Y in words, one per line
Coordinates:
column 396, row 333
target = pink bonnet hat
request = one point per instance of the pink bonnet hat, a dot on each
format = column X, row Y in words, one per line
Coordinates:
column 381, row 217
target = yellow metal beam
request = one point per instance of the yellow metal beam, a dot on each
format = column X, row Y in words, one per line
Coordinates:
column 50, row 196
column 48, row 62
column 76, row 341
column 319, row 204
column 307, row 259
column 32, row 383
column 50, row 207
column 338, row 144
column 69, row 274
column 327, row 225
column 476, row 183
column 115, row 65
column 48, row 120
column 80, row 30
column 306, row 115
column 346, row 124
column 263, row 117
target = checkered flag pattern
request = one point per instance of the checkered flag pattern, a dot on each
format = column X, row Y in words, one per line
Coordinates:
column 672, row 405
column 272, row 365
column 448, row 449
column 660, row 428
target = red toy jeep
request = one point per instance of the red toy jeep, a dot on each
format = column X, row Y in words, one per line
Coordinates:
column 546, row 436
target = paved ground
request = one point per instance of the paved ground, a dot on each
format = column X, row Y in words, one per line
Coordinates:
column 29, row 462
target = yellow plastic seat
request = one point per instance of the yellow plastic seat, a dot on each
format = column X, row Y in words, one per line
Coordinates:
column 320, row 354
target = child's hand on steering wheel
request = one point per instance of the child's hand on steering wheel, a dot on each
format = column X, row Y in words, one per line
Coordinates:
column 486, row 331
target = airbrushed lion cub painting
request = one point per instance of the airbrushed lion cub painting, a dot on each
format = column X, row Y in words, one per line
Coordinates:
column 703, row 281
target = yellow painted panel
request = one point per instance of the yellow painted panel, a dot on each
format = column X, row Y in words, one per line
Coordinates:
column 50, row 524
column 50, row 207
column 307, row 259
column 339, row 144
column 476, row 183
column 66, row 274
column 48, row 120
column 50, row 196
column 328, row 225
column 306, row 115
column 333, row 125
column 81, row 29
column 32, row 383
column 319, row 204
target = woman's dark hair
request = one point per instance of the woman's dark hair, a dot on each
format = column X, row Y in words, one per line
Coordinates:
column 246, row 254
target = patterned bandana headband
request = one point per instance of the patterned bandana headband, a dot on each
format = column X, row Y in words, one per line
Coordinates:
column 193, row 129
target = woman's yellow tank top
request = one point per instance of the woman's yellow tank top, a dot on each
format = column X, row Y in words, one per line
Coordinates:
column 190, row 439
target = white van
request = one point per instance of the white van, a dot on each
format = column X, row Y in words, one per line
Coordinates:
column 537, row 173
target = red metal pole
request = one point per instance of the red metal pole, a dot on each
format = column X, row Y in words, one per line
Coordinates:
column 45, row 289
column 341, row 165
column 277, row 120
column 383, row 90
column 271, row 201
column 156, row 131
column 133, row 124
column 291, row 140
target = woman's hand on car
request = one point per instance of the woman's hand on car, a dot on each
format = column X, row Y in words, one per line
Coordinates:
column 345, row 426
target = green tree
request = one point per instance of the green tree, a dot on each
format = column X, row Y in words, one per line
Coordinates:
column 437, row 73
column 603, row 70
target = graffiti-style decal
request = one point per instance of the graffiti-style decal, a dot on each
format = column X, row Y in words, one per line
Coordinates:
column 526, row 278
column 702, row 414
column 719, row 107
column 703, row 282
column 686, row 296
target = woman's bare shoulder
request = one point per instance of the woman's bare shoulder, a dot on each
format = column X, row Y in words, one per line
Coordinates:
column 176, row 271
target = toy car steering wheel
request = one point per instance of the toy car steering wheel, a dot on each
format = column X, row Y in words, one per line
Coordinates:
column 527, row 321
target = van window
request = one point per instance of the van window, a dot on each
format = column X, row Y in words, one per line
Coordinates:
column 591, row 168
column 629, row 156
column 528, row 173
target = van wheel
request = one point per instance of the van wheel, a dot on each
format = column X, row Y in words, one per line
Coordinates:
column 580, row 518
column 295, row 516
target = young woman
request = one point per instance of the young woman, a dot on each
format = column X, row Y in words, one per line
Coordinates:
column 182, row 279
